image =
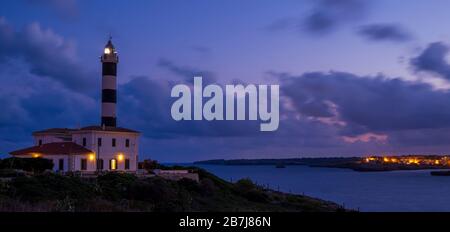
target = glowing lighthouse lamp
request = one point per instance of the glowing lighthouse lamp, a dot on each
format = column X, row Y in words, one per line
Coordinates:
column 107, row 51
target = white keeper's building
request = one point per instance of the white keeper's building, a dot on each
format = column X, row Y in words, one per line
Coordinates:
column 103, row 147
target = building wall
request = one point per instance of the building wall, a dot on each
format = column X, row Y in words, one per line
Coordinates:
column 55, row 159
column 107, row 151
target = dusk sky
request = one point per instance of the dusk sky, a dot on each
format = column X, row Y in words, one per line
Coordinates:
column 356, row 77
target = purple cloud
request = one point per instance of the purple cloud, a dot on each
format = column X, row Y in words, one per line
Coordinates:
column 383, row 104
column 327, row 15
column 384, row 32
column 433, row 60
column 47, row 54
column 65, row 9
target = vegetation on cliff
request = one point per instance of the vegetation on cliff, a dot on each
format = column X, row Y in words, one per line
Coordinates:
column 125, row 192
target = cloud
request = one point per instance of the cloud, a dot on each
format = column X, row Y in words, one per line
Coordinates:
column 433, row 60
column 320, row 115
column 325, row 17
column 384, row 32
column 43, row 85
column 65, row 9
column 144, row 104
column 382, row 105
column 47, row 54
column 32, row 103
column 328, row 15
column 150, row 101
column 366, row 138
column 185, row 72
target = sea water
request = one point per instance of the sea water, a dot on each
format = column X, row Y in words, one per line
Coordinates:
column 404, row 191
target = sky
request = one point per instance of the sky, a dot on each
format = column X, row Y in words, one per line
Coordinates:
column 356, row 77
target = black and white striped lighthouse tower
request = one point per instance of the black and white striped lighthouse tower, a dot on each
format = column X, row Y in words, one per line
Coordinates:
column 109, row 85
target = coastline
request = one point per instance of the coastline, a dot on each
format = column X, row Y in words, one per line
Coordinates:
column 353, row 163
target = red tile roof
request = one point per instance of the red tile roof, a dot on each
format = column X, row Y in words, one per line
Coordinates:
column 61, row 148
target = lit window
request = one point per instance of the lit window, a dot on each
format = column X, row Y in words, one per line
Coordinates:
column 113, row 164
column 107, row 51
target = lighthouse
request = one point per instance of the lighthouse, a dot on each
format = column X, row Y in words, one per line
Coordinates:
column 93, row 148
column 109, row 61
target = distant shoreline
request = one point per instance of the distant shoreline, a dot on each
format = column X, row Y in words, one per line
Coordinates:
column 353, row 163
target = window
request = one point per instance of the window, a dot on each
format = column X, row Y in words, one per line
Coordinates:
column 99, row 142
column 84, row 142
column 113, row 164
column 113, row 142
column 40, row 142
column 127, row 143
column 127, row 164
column 83, row 164
column 100, row 164
column 61, row 165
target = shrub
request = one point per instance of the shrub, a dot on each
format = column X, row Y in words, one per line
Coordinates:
column 11, row 173
column 114, row 186
column 218, row 182
column 244, row 185
column 208, row 187
column 149, row 165
column 51, row 187
column 152, row 189
column 161, row 194
column 247, row 189
column 36, row 165
column 29, row 189
column 189, row 185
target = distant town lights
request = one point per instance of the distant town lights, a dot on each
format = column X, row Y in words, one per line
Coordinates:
column 409, row 160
